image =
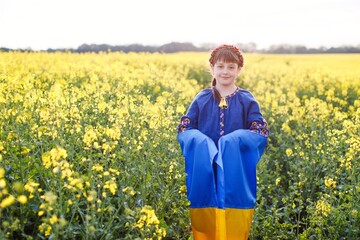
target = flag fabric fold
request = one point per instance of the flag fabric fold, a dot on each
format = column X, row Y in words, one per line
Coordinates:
column 221, row 182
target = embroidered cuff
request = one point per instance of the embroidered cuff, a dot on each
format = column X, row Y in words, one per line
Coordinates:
column 185, row 121
column 260, row 128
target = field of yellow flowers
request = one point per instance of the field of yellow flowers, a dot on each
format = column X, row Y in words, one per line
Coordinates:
column 88, row 145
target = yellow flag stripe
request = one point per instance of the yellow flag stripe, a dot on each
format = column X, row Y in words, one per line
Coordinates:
column 221, row 224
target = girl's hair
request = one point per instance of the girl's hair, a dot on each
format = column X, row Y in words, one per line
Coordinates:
column 226, row 53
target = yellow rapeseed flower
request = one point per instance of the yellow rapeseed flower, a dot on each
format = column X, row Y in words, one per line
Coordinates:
column 56, row 170
column 8, row 201
column 90, row 136
column 97, row 168
column 58, row 153
column 2, row 183
column 180, row 109
column 30, row 186
column 91, row 196
column 152, row 218
column 129, row 190
column 2, row 172
column 77, row 182
column 289, row 152
column 323, row 207
column 330, row 183
column 96, row 145
column 160, row 232
column 182, row 189
column 277, row 181
column 111, row 185
column 157, row 89
column 45, row 229
column 116, row 172
column 49, row 197
column 46, row 160
column 22, row 199
column 24, row 150
column 113, row 133
column 53, row 219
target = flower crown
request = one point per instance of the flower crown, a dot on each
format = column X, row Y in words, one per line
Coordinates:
column 232, row 48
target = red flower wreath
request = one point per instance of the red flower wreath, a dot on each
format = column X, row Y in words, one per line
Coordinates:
column 232, row 48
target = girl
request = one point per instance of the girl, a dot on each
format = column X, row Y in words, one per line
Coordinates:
column 222, row 137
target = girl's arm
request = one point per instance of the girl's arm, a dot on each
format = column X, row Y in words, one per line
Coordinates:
column 190, row 120
column 255, row 120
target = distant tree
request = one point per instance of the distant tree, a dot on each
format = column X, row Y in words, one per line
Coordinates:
column 84, row 48
column 178, row 47
column 343, row 49
column 139, row 48
column 4, row 49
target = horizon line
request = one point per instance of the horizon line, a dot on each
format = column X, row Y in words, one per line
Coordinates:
column 198, row 45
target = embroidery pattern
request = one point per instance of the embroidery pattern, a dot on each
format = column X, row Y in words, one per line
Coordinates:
column 222, row 114
column 260, row 128
column 184, row 122
column 221, row 122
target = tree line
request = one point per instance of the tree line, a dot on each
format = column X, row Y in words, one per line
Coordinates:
column 189, row 47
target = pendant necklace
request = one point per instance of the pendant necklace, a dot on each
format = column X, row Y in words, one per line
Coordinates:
column 223, row 103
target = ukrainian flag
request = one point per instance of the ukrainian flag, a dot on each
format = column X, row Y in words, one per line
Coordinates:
column 221, row 182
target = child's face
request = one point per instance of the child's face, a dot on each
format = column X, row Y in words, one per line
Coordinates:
column 225, row 73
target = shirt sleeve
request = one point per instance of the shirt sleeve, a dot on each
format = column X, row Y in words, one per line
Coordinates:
column 255, row 120
column 190, row 120
column 254, row 113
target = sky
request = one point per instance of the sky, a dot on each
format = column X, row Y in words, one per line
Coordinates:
column 43, row 24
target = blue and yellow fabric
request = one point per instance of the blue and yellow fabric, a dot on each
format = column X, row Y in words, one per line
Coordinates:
column 221, row 182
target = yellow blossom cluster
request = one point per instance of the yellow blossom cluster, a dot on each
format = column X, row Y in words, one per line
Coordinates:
column 55, row 159
column 289, row 152
column 277, row 181
column 330, row 183
column 50, row 219
column 147, row 219
column 129, row 190
column 7, row 199
column 353, row 151
column 32, row 188
column 322, row 207
column 111, row 186
column 105, row 139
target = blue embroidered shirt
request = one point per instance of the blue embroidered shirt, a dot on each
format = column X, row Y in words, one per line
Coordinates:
column 205, row 114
